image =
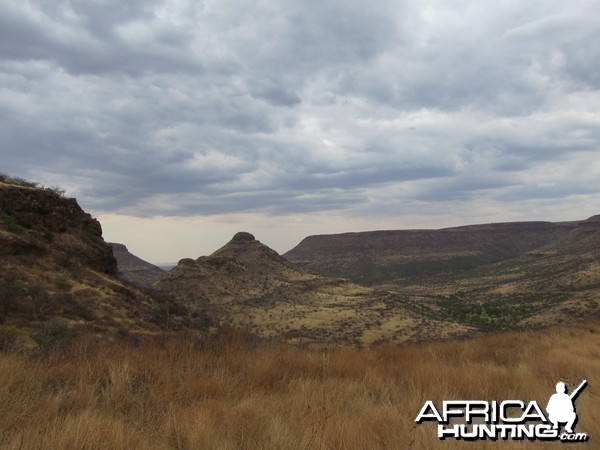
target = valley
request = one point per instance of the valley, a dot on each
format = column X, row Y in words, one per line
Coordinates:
column 355, row 289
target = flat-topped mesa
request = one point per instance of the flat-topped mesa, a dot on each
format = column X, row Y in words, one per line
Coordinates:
column 395, row 256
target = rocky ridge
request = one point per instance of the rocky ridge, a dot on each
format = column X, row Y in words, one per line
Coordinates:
column 54, row 264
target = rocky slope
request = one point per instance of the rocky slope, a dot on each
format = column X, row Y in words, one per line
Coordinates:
column 134, row 269
column 388, row 258
column 54, row 263
column 246, row 284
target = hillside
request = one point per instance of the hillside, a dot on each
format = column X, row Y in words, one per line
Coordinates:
column 54, row 263
column 406, row 256
column 529, row 274
column 134, row 269
column 561, row 280
column 246, row 284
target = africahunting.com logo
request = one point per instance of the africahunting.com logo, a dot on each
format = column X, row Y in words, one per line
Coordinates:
column 508, row 419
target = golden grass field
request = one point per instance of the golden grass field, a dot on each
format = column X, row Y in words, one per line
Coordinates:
column 176, row 394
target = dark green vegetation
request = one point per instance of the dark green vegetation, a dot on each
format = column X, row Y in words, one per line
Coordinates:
column 497, row 312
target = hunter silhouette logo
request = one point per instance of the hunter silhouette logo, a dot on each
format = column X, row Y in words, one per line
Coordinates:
column 508, row 419
column 560, row 406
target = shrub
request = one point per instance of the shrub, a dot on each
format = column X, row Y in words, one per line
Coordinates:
column 63, row 284
column 10, row 223
column 40, row 231
column 54, row 334
column 10, row 295
column 4, row 178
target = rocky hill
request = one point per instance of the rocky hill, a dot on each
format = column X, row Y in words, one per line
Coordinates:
column 54, row 263
column 388, row 258
column 246, row 284
column 134, row 269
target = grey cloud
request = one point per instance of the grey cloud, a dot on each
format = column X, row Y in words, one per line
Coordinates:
column 278, row 95
column 85, row 39
column 549, row 191
column 185, row 108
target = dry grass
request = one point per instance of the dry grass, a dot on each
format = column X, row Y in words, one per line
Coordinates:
column 176, row 395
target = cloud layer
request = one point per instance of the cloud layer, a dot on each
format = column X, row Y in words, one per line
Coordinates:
column 187, row 108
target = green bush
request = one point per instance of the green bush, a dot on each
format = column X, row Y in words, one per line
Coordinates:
column 63, row 284
column 10, row 223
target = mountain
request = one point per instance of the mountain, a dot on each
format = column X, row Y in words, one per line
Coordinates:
column 246, row 284
column 398, row 258
column 134, row 269
column 498, row 276
column 54, row 263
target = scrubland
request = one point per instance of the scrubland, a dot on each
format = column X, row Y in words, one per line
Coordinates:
column 232, row 394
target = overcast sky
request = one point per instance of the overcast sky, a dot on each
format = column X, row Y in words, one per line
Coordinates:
column 178, row 123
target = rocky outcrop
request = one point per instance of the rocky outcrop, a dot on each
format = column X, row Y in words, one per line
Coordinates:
column 41, row 220
column 245, row 249
column 54, row 263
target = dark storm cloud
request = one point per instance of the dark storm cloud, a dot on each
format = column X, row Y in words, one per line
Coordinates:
column 182, row 107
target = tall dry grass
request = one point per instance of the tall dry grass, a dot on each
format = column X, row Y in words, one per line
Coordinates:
column 159, row 395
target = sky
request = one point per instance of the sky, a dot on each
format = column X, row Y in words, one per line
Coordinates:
column 178, row 123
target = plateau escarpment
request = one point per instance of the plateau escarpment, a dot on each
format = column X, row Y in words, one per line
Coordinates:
column 401, row 257
column 395, row 286
column 496, row 276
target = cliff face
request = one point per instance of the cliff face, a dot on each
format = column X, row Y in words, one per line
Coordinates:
column 54, row 263
column 42, row 221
